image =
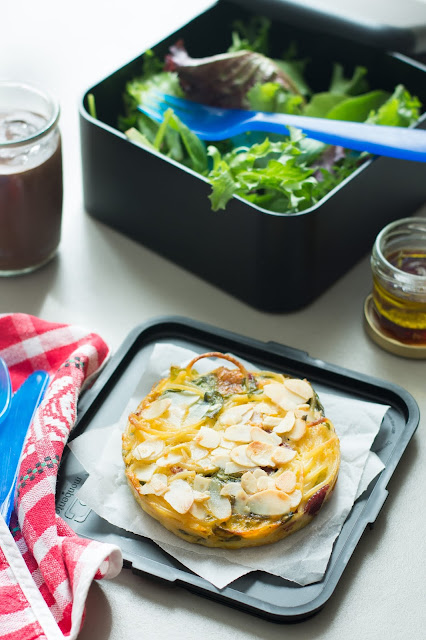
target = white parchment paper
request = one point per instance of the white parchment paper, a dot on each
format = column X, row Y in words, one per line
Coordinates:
column 302, row 557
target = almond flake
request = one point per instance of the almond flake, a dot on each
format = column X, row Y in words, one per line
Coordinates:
column 286, row 482
column 157, row 486
column 144, row 472
column 301, row 388
column 249, row 482
column 260, row 453
column 207, row 464
column 233, row 467
column 201, row 483
column 156, row 409
column 238, row 433
column 259, row 435
column 282, row 455
column 180, row 496
column 219, row 507
column 286, row 424
column 295, row 498
column 282, row 396
column 200, row 496
column 227, row 444
column 208, row 438
column 298, row 430
column 269, row 503
column 234, row 415
column 198, row 511
column 197, row 453
column 239, row 456
column 270, row 421
column 148, row 450
column 230, row 489
column 169, row 459
column 262, row 483
column 221, row 459
column 258, row 473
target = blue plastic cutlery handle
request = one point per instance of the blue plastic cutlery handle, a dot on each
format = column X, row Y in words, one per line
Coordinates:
column 5, row 390
column 13, row 432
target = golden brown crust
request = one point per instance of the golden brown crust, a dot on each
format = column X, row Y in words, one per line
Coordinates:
column 232, row 458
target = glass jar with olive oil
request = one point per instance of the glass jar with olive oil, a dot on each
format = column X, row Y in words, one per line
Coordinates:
column 398, row 264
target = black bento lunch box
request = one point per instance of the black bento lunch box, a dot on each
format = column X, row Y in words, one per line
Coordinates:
column 274, row 262
column 257, row 593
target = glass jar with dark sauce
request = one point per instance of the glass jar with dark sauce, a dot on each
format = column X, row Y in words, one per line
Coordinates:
column 31, row 189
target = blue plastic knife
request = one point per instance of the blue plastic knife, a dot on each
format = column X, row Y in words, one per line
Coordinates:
column 13, row 431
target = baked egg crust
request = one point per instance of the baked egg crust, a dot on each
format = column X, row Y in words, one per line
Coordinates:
column 232, row 458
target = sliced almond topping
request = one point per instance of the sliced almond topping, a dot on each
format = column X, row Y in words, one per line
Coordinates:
column 157, row 486
column 282, row 455
column 271, row 421
column 301, row 388
column 266, row 409
column 259, row 473
column 286, row 482
column 262, row 483
column 219, row 506
column 295, row 498
column 221, row 459
column 197, row 452
column 156, row 409
column 230, row 489
column 269, row 503
column 260, row 453
column 282, row 396
column 180, row 496
column 298, row 430
column 259, row 435
column 227, row 444
column 201, row 483
column 169, row 459
column 240, row 504
column 302, row 410
column 233, row 467
column 208, row 438
column 239, row 456
column 249, row 482
column 238, row 433
column 200, row 496
column 198, row 510
column 148, row 450
column 144, row 472
column 286, row 424
column 207, row 464
column 234, row 415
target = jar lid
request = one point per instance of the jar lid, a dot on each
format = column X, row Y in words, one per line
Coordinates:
column 376, row 333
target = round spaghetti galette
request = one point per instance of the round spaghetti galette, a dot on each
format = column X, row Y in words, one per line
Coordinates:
column 232, row 458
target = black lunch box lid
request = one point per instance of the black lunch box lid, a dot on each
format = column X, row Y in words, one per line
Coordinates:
column 397, row 25
column 257, row 593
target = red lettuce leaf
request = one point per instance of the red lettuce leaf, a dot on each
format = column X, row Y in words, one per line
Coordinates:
column 223, row 80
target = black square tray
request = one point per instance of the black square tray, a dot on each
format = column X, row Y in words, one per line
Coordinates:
column 258, row 593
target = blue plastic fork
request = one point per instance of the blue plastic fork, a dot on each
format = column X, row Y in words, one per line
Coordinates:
column 13, row 431
column 5, row 390
column 213, row 123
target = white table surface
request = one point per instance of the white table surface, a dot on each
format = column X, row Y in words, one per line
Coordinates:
column 108, row 283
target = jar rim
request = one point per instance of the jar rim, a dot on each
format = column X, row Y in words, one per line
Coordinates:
column 51, row 122
column 385, row 231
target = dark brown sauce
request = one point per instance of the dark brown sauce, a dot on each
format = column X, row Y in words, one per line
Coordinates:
column 30, row 213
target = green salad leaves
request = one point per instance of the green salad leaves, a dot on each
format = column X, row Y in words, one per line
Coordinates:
column 276, row 172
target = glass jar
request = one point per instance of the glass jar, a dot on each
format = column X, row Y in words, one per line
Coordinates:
column 30, row 178
column 398, row 264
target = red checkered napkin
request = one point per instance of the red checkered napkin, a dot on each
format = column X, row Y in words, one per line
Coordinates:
column 45, row 568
